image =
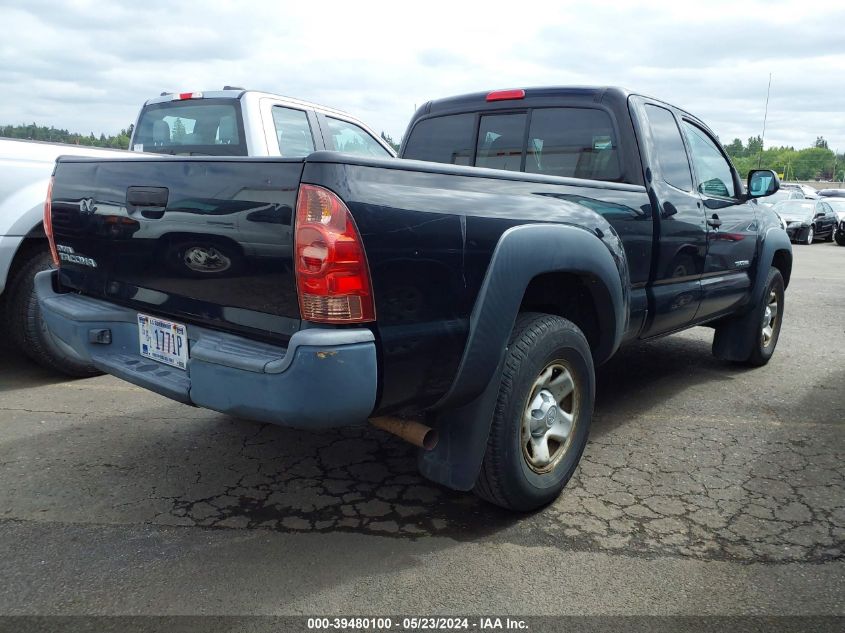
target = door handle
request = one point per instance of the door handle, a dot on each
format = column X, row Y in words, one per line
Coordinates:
column 714, row 221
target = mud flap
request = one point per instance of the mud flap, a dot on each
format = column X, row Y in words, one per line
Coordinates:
column 456, row 460
column 734, row 339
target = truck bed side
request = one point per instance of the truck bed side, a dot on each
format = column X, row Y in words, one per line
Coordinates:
column 430, row 231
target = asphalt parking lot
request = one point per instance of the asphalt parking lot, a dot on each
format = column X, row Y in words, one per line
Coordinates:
column 705, row 489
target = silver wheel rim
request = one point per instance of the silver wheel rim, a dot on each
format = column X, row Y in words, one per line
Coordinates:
column 810, row 235
column 770, row 318
column 549, row 419
column 206, row 259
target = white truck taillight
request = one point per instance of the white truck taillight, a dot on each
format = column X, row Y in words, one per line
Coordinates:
column 332, row 275
column 48, row 222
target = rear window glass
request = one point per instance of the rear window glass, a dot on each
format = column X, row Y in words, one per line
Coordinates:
column 571, row 142
column 444, row 139
column 197, row 126
column 500, row 139
column 574, row 142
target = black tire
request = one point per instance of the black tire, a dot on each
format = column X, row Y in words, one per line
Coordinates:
column 809, row 238
column 507, row 479
column 840, row 238
column 761, row 353
column 26, row 325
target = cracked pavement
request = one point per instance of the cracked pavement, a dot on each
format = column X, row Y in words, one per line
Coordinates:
column 691, row 461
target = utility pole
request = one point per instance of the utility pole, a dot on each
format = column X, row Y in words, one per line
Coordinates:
column 765, row 116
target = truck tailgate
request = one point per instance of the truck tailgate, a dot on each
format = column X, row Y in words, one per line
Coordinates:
column 204, row 241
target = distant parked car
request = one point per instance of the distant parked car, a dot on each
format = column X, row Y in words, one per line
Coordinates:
column 832, row 193
column 779, row 196
column 838, row 206
column 807, row 220
column 806, row 190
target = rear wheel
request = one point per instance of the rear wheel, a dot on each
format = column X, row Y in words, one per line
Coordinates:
column 832, row 233
column 543, row 413
column 26, row 325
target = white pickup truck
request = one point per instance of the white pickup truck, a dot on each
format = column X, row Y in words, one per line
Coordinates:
column 238, row 122
column 25, row 170
column 228, row 122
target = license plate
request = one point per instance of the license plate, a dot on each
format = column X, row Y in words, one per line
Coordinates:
column 163, row 341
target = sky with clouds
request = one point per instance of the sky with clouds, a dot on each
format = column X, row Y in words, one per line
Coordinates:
column 87, row 66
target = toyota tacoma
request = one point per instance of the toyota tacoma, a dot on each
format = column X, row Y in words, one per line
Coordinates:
column 476, row 282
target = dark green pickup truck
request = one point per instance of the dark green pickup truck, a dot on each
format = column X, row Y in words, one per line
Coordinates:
column 522, row 237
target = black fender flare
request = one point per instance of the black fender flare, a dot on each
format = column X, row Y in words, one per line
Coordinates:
column 774, row 239
column 463, row 416
column 734, row 337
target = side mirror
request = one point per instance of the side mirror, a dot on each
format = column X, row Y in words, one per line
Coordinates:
column 762, row 182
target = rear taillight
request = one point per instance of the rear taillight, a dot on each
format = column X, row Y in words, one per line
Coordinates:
column 48, row 222
column 181, row 96
column 332, row 276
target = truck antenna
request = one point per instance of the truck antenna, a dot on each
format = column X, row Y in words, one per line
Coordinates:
column 765, row 116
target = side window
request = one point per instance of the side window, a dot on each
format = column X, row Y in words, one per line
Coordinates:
column 713, row 171
column 293, row 132
column 443, row 139
column 500, row 141
column 572, row 142
column 350, row 138
column 671, row 153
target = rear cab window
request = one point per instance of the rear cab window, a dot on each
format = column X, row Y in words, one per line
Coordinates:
column 293, row 132
column 566, row 141
column 444, row 139
column 573, row 142
column 500, row 141
column 211, row 127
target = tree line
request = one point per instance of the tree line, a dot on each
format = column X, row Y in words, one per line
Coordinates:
column 811, row 163
column 43, row 133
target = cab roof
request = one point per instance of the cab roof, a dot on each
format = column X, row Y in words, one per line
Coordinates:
column 237, row 93
column 540, row 96
column 594, row 93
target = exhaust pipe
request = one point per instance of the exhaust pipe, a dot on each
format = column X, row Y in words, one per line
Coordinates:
column 411, row 431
